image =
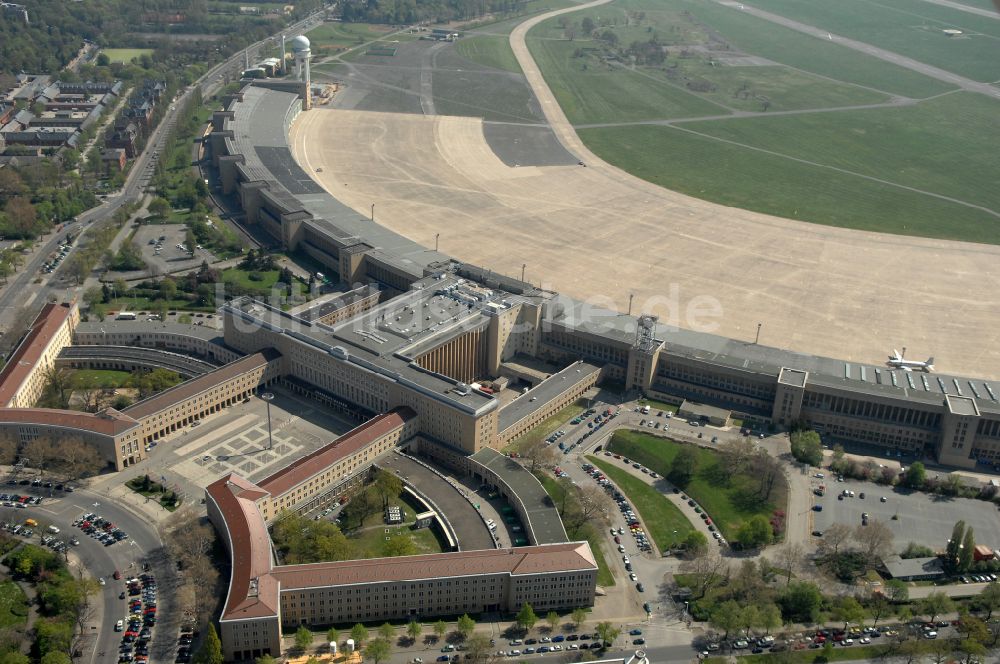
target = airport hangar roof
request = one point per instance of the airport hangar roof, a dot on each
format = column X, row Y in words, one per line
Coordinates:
column 346, row 347
column 539, row 396
column 929, row 388
column 260, row 129
column 545, row 524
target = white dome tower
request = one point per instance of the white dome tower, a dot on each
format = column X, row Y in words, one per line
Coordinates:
column 302, row 53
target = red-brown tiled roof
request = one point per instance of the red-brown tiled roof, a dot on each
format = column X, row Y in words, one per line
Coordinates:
column 27, row 353
column 302, row 469
column 569, row 556
column 195, row 386
column 108, row 422
column 250, row 549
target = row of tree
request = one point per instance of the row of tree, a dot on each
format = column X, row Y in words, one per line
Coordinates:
column 68, row 457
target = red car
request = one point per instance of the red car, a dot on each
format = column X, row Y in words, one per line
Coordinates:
column 117, row 575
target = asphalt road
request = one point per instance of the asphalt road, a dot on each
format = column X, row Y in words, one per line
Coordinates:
column 143, row 545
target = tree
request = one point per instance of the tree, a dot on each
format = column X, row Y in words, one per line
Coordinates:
column 477, row 647
column 332, row 635
column 41, row 452
column 989, row 599
column 77, row 459
column 849, row 610
column 807, row 447
column 878, row 606
column 552, row 618
column 916, row 475
column 695, row 544
column 378, row 650
column 896, row 591
column 587, row 25
column 914, row 550
column 934, row 605
column 726, row 617
column 749, row 618
column 440, row 628
column 836, row 535
column 755, row 532
column 9, row 445
column 912, row 650
column 360, row 634
column 800, row 602
column 683, row 467
column 875, row 540
column 387, row 486
column 526, row 617
column 21, row 216
column 769, row 616
column 788, row 557
column 465, row 625
column 973, row 628
column 710, row 570
column 538, row 453
column 955, row 544
column 578, row 617
column 414, row 629
column 159, row 207
column 607, row 632
column 386, row 631
column 210, row 651
column 965, row 554
column 303, row 638
column 973, row 650
column 55, row 657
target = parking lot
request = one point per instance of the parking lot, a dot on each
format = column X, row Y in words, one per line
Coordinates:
column 923, row 518
column 163, row 255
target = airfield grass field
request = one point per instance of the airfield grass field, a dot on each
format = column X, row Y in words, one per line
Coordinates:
column 908, row 28
column 794, row 126
column 489, row 51
column 125, row 55
column 332, row 37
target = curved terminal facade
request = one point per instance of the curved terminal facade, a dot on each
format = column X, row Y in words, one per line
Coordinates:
column 951, row 419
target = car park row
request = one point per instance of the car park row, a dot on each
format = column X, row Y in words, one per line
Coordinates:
column 100, row 529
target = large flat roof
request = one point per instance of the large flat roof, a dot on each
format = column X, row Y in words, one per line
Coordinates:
column 545, row 524
column 571, row 556
column 345, row 347
column 539, row 396
column 746, row 356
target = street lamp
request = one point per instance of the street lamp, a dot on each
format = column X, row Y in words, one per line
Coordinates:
column 268, row 397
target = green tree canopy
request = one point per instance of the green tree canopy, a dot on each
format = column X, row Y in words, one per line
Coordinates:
column 210, row 651
column 465, row 625
column 916, row 475
column 378, row 650
column 800, row 602
column 755, row 532
column 360, row 634
column 807, row 447
column 526, row 617
column 303, row 637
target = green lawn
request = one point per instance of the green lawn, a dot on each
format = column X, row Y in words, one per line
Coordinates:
column 666, row 524
column 370, row 540
column 731, row 175
column 488, row 51
column 327, row 38
column 241, row 277
column 13, row 605
column 940, row 145
column 99, row 377
column 589, row 532
column 547, row 426
column 727, row 498
column 125, row 55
